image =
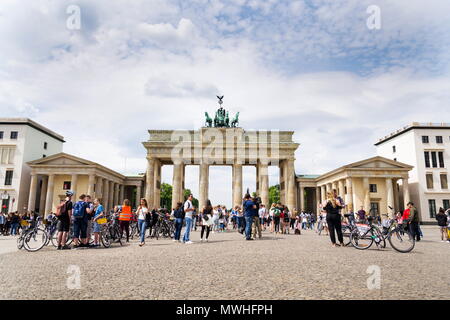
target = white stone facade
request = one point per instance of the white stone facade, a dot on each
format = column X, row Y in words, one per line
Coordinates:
column 407, row 145
column 22, row 140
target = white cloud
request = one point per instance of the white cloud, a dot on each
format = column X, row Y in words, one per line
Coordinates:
column 158, row 64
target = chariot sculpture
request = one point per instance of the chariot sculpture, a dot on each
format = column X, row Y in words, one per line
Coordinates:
column 221, row 118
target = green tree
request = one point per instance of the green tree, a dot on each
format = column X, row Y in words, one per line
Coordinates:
column 274, row 194
column 166, row 196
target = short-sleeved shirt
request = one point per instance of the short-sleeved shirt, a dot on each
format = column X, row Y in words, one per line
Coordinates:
column 188, row 205
column 65, row 215
column 99, row 210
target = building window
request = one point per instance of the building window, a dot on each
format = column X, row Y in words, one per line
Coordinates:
column 67, row 185
column 432, row 207
column 394, row 149
column 439, row 139
column 8, row 177
column 427, row 159
column 374, row 209
column 395, row 159
column 14, row 135
column 1, row 134
column 429, row 180
column 444, row 181
column 373, row 188
column 446, row 204
column 434, row 159
column 425, row 139
column 441, row 159
column 43, row 156
column 45, row 145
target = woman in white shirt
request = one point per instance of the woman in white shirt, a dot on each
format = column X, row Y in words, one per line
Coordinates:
column 142, row 212
column 207, row 221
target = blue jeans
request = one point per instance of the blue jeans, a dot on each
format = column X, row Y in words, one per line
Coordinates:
column 194, row 221
column 248, row 227
column 178, row 226
column 187, row 231
column 142, row 226
column 14, row 227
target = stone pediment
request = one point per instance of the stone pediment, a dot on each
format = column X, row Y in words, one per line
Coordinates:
column 61, row 159
column 378, row 162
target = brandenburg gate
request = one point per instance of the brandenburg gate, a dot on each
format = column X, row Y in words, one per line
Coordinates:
column 221, row 143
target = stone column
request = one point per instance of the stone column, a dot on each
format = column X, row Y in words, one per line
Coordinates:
column 43, row 195
column 258, row 179
column 291, row 203
column 349, row 195
column 73, row 183
column 116, row 193
column 49, row 200
column 203, row 185
column 323, row 193
column 237, row 185
column 32, row 196
column 105, row 198
column 341, row 191
column 176, row 183
column 406, row 197
column 91, row 186
column 334, row 186
column 366, row 188
column 111, row 203
column 318, row 198
column 302, row 198
column 150, row 181
column 99, row 192
column 138, row 195
column 182, row 187
column 282, row 181
column 157, row 184
column 264, row 183
column 389, row 195
column 396, row 196
column 121, row 193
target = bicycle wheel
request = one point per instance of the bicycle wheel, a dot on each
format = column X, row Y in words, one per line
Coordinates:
column 35, row 240
column 401, row 240
column 361, row 240
column 20, row 242
column 105, row 238
column 346, row 231
column 380, row 238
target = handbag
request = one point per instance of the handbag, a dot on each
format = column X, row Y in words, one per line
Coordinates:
column 101, row 221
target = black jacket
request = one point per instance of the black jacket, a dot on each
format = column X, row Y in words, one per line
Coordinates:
column 441, row 219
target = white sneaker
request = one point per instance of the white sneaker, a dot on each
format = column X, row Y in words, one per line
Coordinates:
column 174, row 240
column 206, row 240
column 189, row 242
column 201, row 240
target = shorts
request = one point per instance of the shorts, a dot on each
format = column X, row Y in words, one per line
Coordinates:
column 443, row 227
column 63, row 225
column 97, row 227
column 80, row 228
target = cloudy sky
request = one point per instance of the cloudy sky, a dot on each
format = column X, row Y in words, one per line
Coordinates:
column 310, row 66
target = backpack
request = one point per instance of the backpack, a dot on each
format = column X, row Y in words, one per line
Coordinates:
column 61, row 209
column 79, row 209
column 277, row 212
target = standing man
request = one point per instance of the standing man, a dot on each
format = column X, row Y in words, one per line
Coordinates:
column 64, row 215
column 80, row 211
column 188, row 210
column 2, row 222
column 249, row 208
column 89, row 218
column 413, row 221
column 257, row 219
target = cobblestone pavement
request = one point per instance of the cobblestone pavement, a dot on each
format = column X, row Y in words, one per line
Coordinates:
column 227, row 267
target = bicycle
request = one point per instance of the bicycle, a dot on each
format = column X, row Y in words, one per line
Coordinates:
column 398, row 236
column 33, row 238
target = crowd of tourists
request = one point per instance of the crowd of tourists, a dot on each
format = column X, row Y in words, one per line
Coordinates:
column 250, row 219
